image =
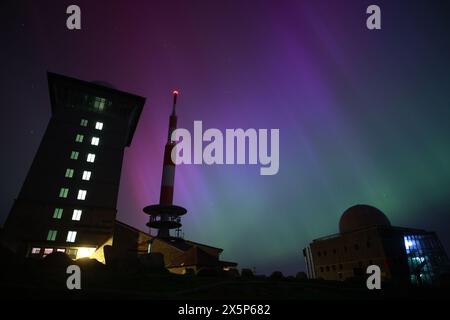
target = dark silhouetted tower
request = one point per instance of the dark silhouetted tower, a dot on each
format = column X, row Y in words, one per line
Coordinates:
column 166, row 216
column 68, row 200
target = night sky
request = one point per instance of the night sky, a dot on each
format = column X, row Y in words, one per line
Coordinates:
column 364, row 116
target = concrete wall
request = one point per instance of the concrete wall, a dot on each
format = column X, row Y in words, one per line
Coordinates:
column 348, row 255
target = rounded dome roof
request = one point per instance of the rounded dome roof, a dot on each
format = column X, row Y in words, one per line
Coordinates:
column 361, row 216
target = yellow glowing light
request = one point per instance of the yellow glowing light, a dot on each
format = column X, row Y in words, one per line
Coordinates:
column 85, row 252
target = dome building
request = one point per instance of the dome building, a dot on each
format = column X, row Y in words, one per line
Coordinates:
column 362, row 216
column 366, row 237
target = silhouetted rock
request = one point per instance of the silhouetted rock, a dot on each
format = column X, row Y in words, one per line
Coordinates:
column 301, row 276
column 51, row 271
column 247, row 273
column 57, row 260
column 232, row 273
column 356, row 281
column 109, row 254
column 7, row 262
column 209, row 272
column 6, row 255
column 127, row 265
column 90, row 265
column 444, row 276
column 153, row 261
column 189, row 272
column 276, row 275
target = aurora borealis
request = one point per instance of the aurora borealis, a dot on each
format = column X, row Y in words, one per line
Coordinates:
column 364, row 116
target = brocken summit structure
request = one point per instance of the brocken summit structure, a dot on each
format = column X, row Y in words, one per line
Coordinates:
column 68, row 202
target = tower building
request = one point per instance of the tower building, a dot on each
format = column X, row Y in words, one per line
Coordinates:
column 68, row 200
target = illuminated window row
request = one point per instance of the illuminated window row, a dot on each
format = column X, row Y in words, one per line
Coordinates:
column 81, row 194
column 73, row 253
column 51, row 236
column 69, row 173
column 79, row 138
column 99, row 103
column 64, row 192
column 74, row 155
column 98, row 125
column 71, row 236
column 94, row 141
column 57, row 214
column 76, row 215
column 86, row 174
column 89, row 158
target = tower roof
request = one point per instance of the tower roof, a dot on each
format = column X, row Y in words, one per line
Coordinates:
column 66, row 92
column 361, row 216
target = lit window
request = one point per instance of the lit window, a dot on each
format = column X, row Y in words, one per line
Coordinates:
column 408, row 243
column 63, row 192
column 99, row 103
column 35, row 250
column 51, row 235
column 84, row 123
column 81, row 194
column 74, row 155
column 90, row 157
column 57, row 214
column 76, row 215
column 60, row 250
column 95, row 141
column 99, row 126
column 86, row 175
column 47, row 251
column 69, row 173
column 85, row 252
column 79, row 138
column 71, row 236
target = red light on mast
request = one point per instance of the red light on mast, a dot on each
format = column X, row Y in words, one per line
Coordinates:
column 175, row 95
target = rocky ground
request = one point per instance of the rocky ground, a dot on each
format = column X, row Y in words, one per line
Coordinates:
column 41, row 279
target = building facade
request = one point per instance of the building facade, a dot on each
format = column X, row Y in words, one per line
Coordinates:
column 365, row 238
column 68, row 200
